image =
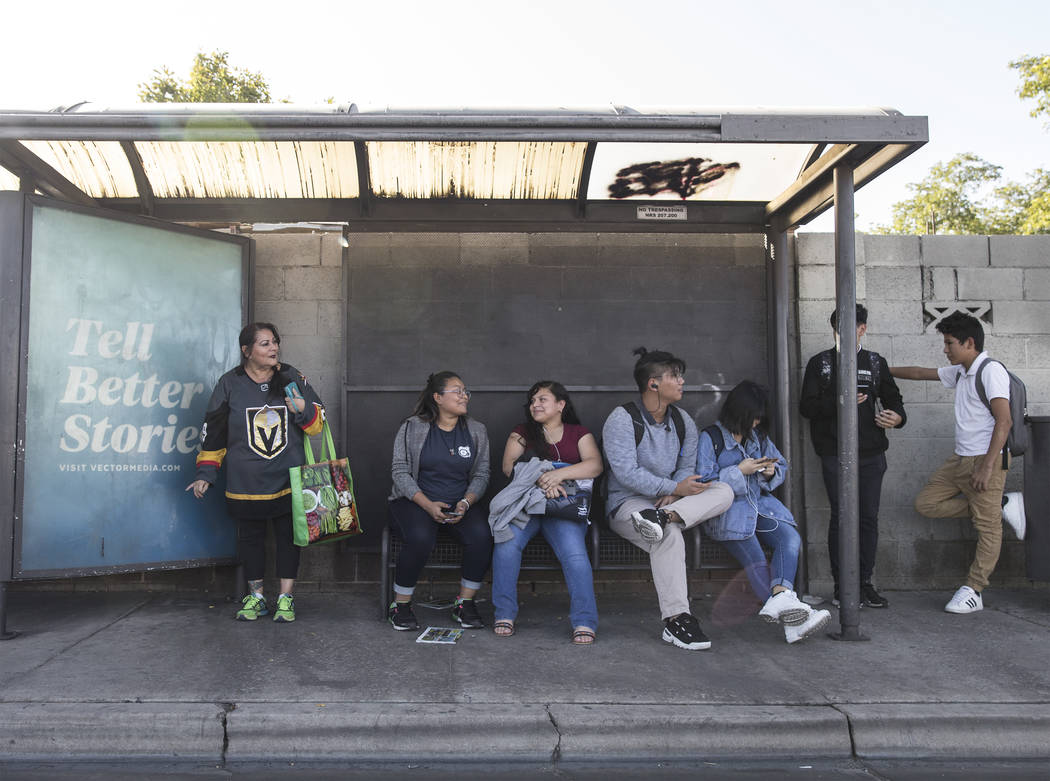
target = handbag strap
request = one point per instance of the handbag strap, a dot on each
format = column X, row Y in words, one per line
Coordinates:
column 327, row 446
column 327, row 443
column 309, row 451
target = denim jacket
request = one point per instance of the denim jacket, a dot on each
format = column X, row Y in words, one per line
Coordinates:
column 751, row 494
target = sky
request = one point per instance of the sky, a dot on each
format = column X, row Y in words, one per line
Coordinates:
column 945, row 60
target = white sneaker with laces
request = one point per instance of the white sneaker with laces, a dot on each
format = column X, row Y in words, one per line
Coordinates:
column 785, row 607
column 966, row 600
column 818, row 619
column 1013, row 512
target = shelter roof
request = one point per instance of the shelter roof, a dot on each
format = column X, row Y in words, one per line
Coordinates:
column 615, row 168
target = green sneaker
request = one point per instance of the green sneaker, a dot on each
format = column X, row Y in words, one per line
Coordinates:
column 285, row 611
column 252, row 608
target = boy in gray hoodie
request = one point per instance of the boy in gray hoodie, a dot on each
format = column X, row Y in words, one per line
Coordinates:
column 654, row 493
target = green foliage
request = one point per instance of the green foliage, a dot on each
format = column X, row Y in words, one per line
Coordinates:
column 959, row 197
column 211, row 80
column 1035, row 82
column 947, row 200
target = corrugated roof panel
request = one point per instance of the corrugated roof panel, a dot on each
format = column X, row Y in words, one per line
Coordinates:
column 701, row 172
column 476, row 169
column 8, row 181
column 250, row 169
column 99, row 168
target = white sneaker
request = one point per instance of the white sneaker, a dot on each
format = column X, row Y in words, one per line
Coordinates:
column 966, row 600
column 1013, row 512
column 785, row 607
column 818, row 619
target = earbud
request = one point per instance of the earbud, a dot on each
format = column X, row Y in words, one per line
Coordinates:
column 652, row 386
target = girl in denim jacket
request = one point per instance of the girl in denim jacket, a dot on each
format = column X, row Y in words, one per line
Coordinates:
column 750, row 464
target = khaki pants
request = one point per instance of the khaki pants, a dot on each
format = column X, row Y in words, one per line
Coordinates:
column 948, row 494
column 667, row 557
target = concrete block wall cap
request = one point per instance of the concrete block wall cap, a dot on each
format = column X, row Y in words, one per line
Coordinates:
column 378, row 731
column 955, row 730
column 691, row 731
column 85, row 731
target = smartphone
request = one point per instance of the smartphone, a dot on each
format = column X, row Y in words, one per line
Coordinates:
column 291, row 390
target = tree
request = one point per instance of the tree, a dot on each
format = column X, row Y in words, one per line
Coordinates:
column 958, row 197
column 1035, row 82
column 211, row 80
column 946, row 201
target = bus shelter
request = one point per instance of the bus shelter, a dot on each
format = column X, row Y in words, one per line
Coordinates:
column 614, row 170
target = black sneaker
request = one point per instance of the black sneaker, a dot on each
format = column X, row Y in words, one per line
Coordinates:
column 401, row 616
column 650, row 524
column 466, row 612
column 869, row 597
column 684, row 631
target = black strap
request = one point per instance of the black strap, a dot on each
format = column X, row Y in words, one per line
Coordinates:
column 717, row 439
column 639, row 424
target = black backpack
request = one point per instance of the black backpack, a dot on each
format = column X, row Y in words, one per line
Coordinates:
column 639, row 424
column 717, row 439
column 827, row 369
column 1017, row 441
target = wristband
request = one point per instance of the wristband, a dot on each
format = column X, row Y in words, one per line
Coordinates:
column 464, row 501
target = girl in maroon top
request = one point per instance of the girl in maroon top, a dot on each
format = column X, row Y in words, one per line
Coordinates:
column 551, row 431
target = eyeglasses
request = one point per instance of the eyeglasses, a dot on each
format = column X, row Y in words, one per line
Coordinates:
column 674, row 375
column 458, row 391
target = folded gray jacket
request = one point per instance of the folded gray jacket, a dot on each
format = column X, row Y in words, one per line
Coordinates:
column 520, row 499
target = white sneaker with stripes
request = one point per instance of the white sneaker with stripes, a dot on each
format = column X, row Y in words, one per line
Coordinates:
column 966, row 600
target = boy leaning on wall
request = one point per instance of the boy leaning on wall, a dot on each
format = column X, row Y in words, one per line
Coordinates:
column 971, row 481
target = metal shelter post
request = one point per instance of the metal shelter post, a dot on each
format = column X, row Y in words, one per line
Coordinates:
column 846, row 359
column 4, row 634
column 780, row 374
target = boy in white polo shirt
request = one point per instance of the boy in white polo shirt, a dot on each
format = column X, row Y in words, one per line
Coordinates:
column 971, row 481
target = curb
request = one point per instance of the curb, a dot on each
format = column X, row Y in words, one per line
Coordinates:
column 950, row 731
column 679, row 732
column 60, row 731
column 377, row 732
column 533, row 733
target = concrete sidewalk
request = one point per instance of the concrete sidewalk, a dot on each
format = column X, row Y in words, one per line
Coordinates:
column 157, row 677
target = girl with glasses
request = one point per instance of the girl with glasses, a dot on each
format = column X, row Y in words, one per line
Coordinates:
column 440, row 470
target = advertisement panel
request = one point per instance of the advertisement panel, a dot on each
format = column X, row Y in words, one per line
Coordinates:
column 130, row 324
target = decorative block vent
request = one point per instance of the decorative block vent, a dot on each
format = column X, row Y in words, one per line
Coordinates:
column 935, row 311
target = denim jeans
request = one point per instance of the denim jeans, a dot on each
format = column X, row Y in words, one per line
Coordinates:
column 568, row 539
column 784, row 539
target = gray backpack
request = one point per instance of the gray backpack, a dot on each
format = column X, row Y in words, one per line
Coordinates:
column 1017, row 441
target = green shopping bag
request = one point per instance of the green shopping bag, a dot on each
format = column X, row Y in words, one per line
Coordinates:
column 323, row 505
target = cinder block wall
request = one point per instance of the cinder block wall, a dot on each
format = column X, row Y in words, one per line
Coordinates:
column 299, row 288
column 904, row 281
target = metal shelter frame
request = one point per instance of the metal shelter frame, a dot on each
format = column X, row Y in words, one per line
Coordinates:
column 850, row 147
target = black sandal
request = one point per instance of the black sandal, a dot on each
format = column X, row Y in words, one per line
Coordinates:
column 503, row 624
column 583, row 636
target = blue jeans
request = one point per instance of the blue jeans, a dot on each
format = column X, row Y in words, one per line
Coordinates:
column 568, row 539
column 784, row 539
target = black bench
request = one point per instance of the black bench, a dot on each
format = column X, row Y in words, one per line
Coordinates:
column 607, row 550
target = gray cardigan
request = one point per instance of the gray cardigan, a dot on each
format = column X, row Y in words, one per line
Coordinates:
column 408, row 444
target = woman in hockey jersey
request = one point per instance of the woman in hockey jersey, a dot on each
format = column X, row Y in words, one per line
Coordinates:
column 255, row 423
column 737, row 451
column 440, row 470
